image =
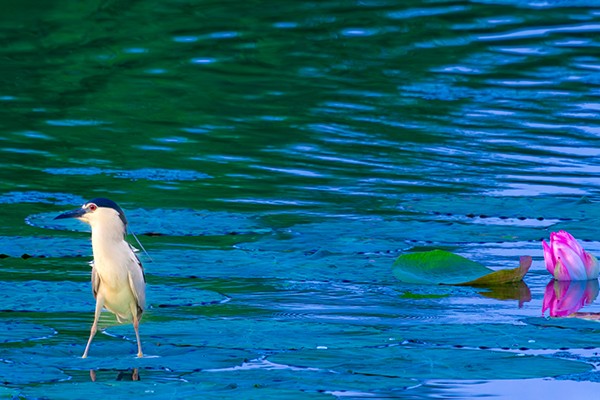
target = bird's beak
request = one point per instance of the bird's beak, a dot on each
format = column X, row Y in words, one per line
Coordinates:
column 72, row 214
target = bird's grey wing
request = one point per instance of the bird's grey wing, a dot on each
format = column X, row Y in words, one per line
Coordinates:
column 95, row 281
column 137, row 282
column 137, row 259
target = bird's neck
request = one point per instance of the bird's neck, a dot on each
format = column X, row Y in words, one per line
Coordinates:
column 105, row 237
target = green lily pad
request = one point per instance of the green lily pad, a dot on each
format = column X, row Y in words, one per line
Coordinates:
column 439, row 267
column 290, row 382
column 27, row 246
column 21, row 373
column 431, row 363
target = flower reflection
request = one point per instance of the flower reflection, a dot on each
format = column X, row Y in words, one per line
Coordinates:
column 563, row 298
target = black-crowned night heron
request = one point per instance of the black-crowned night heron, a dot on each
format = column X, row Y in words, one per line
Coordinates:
column 118, row 281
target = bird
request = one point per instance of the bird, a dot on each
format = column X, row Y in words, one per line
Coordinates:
column 118, row 280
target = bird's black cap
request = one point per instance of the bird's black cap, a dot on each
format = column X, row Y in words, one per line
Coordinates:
column 108, row 203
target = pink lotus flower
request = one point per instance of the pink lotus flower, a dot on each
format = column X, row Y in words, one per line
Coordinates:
column 564, row 298
column 567, row 261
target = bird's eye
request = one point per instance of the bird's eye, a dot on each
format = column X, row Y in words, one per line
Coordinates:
column 93, row 207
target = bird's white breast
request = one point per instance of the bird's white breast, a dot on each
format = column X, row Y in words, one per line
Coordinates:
column 114, row 262
column 111, row 262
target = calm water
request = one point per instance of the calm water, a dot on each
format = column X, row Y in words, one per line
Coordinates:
column 275, row 158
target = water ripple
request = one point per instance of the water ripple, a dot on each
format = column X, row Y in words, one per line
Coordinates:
column 151, row 174
column 533, row 33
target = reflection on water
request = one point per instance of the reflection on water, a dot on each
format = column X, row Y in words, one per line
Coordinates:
column 563, row 298
column 510, row 291
column 126, row 375
column 508, row 389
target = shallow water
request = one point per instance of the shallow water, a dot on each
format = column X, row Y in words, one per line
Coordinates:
column 274, row 160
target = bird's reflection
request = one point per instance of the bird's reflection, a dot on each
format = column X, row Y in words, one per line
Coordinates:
column 563, row 298
column 126, row 375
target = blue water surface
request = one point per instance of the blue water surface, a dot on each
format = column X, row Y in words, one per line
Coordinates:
column 274, row 159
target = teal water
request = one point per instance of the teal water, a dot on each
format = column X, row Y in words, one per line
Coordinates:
column 274, row 159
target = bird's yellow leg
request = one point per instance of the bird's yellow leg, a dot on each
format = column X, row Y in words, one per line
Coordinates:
column 136, row 324
column 99, row 305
